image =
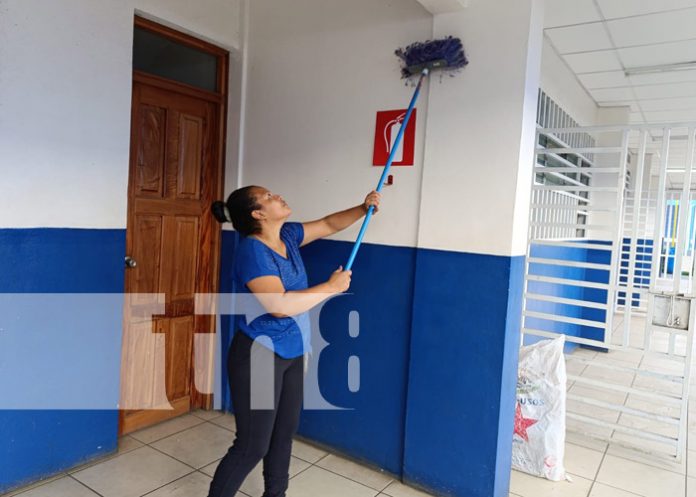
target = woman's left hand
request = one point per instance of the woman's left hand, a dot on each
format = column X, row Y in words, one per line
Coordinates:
column 372, row 199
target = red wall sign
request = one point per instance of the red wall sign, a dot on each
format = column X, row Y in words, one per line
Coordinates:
column 388, row 124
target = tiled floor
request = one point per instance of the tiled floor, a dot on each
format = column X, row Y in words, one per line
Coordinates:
column 178, row 457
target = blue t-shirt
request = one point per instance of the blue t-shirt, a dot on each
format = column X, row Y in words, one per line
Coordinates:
column 290, row 335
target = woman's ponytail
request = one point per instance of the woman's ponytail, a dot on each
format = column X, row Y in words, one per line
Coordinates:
column 237, row 210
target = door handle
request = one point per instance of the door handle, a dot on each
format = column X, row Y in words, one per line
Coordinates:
column 130, row 262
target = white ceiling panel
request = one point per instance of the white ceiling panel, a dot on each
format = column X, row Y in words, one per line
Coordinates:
column 600, row 39
column 583, row 38
column 635, row 118
column 668, row 104
column 671, row 116
column 663, row 77
column 610, row 79
column 624, row 8
column 656, row 28
column 613, row 94
column 673, row 90
column 593, row 62
column 621, row 103
column 564, row 12
column 668, row 53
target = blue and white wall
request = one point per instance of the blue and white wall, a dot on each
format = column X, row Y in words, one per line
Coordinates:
column 65, row 95
column 438, row 282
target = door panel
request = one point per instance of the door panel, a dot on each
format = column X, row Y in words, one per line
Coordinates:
column 146, row 251
column 179, row 350
column 191, row 131
column 152, row 125
column 171, row 234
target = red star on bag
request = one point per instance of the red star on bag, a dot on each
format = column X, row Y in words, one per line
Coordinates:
column 522, row 423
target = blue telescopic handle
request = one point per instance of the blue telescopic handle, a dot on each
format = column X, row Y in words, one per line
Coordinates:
column 394, row 148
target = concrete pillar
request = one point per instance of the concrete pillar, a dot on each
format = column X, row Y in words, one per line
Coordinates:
column 471, row 241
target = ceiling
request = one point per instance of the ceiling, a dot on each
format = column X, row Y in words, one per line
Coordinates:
column 600, row 39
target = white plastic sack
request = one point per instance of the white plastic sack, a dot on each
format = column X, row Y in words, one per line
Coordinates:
column 539, row 438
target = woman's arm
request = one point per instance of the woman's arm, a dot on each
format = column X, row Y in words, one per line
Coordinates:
column 281, row 303
column 338, row 221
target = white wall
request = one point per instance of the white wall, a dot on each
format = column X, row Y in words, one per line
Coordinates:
column 559, row 83
column 479, row 156
column 65, row 96
column 318, row 72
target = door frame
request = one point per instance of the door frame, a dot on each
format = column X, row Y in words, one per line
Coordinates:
column 220, row 99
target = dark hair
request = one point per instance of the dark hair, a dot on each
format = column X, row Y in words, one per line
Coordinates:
column 237, row 210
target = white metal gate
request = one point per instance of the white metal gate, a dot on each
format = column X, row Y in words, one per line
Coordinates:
column 610, row 265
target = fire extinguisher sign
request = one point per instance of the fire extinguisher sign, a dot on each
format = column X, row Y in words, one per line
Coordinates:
column 388, row 124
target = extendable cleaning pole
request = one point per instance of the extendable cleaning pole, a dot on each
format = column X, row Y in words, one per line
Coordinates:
column 382, row 178
column 420, row 58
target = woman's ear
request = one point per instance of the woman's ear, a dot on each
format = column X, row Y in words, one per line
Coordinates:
column 258, row 215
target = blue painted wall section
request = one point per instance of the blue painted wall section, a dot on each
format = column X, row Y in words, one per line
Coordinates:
column 641, row 268
column 37, row 443
column 372, row 428
column 422, row 334
column 568, row 291
column 463, row 372
column 641, row 279
column 227, row 323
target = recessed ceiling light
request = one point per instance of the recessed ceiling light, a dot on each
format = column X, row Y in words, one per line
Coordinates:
column 679, row 66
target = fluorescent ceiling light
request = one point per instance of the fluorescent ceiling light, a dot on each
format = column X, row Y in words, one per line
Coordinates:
column 680, row 66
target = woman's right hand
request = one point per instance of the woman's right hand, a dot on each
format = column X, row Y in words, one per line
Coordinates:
column 340, row 280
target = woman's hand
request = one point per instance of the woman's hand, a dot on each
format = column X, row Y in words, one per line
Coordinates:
column 340, row 280
column 372, row 199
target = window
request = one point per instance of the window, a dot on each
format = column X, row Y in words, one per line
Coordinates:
column 155, row 54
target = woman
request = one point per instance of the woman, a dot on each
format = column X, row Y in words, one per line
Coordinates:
column 268, row 264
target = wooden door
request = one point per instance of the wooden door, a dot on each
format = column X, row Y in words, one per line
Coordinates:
column 173, row 239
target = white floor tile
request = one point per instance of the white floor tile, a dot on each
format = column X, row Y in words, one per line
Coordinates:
column 33, row 485
column 166, row 428
column 640, row 478
column 582, row 461
column 602, row 490
column 307, row 452
column 193, row 484
column 127, row 443
column 632, row 455
column 197, row 446
column 362, row 474
column 398, row 489
column 226, row 421
column 526, row 485
column 317, row 482
column 579, row 438
column 210, row 468
column 61, row 487
column 207, row 415
column 594, row 372
column 132, row 474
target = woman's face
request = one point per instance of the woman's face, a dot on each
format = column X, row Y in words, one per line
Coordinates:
column 273, row 207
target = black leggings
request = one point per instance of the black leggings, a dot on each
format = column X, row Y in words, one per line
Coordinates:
column 261, row 433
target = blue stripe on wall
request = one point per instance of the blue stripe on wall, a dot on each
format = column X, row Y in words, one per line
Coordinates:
column 568, row 291
column 35, row 444
column 381, row 292
column 405, row 424
column 463, row 372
